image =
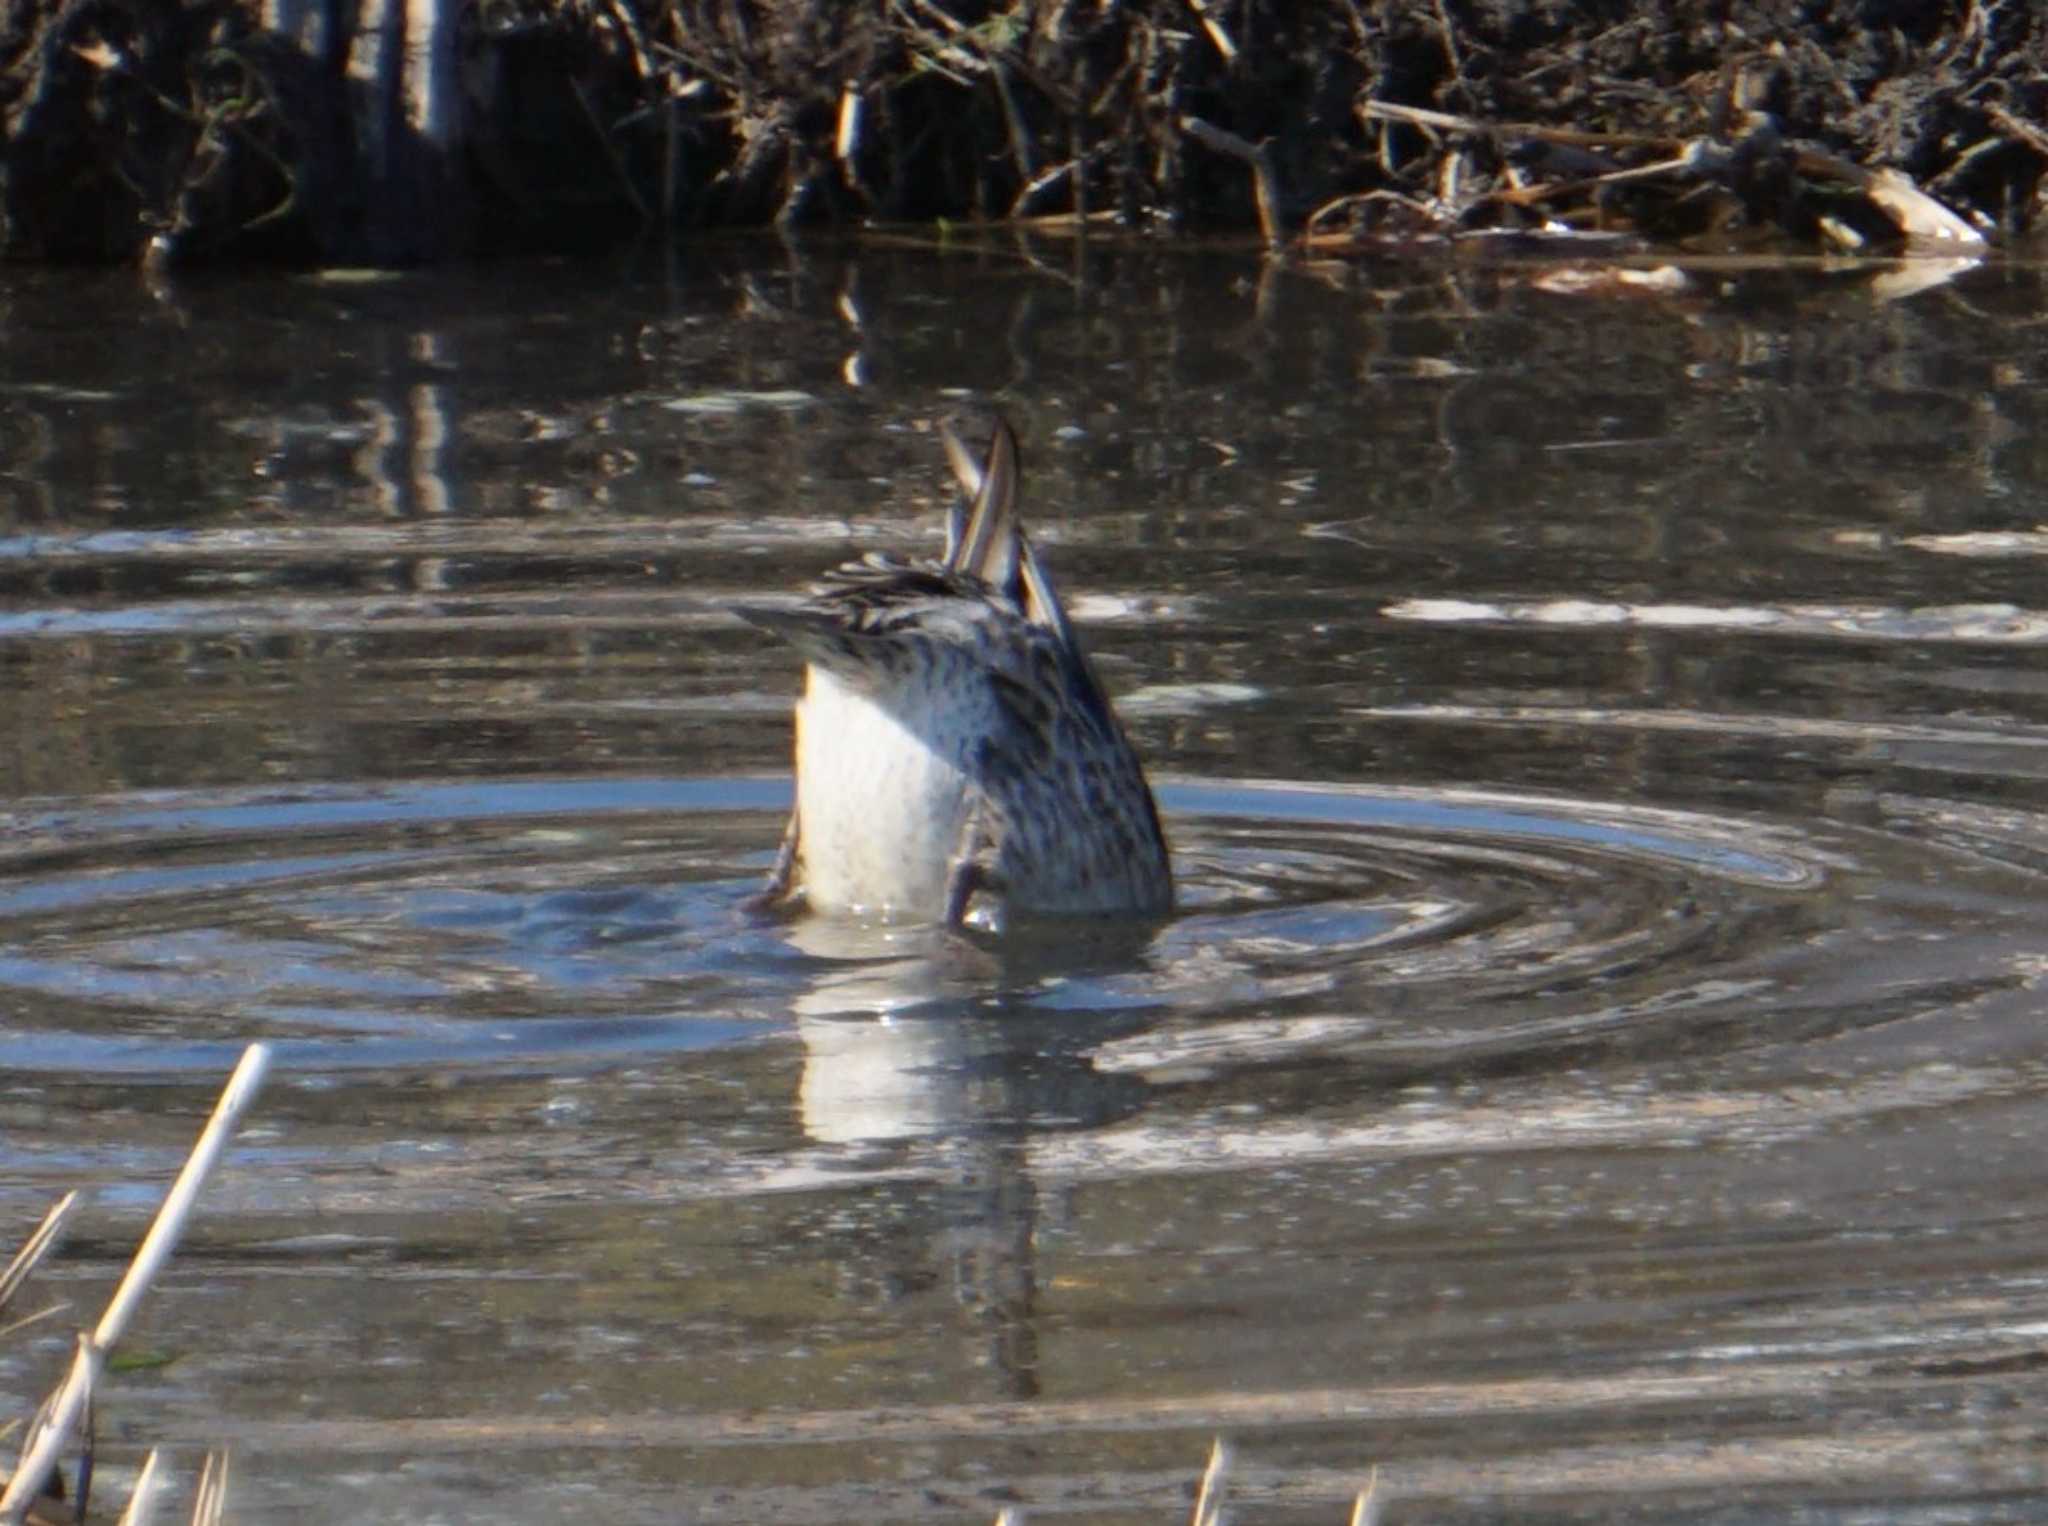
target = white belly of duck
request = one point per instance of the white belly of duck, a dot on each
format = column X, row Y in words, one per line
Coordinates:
column 879, row 810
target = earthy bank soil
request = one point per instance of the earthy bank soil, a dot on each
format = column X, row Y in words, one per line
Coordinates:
column 186, row 127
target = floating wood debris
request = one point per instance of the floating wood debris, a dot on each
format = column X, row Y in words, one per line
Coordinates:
column 1563, row 183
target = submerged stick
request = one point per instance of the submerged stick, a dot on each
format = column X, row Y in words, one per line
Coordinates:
column 47, row 1437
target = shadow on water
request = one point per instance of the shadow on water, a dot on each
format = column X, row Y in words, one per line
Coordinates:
column 1595, row 1059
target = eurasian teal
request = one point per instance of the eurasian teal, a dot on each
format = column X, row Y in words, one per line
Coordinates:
column 956, row 757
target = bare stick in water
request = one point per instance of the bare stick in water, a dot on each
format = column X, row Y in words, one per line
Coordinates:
column 1209, row 1502
column 1365, row 1510
column 142, row 1503
column 213, row 1491
column 46, row 1438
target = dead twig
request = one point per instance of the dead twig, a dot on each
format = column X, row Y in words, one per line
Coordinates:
column 1208, row 1509
column 636, row 40
column 48, row 1235
column 1444, row 121
column 142, row 1498
column 2018, row 127
column 1265, row 179
column 1365, row 1507
column 934, row 49
column 1038, row 188
column 212, row 1497
column 1314, row 235
column 33, row 1319
column 1450, row 40
column 1020, row 134
column 1214, row 28
column 1701, row 158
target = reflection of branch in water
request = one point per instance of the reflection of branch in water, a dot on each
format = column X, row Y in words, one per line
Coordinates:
column 429, row 446
column 404, row 457
column 990, row 1210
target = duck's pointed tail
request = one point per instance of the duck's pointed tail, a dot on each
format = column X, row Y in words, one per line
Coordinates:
column 984, row 536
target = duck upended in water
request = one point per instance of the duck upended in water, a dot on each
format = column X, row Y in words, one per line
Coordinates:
column 956, row 757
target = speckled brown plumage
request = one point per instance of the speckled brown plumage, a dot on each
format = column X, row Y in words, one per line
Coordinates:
column 957, row 758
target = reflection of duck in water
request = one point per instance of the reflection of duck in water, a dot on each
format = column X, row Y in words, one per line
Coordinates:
column 946, row 1096
column 956, row 757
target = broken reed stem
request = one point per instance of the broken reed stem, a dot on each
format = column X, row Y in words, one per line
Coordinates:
column 47, row 1438
column 1209, row 1500
column 1365, row 1509
column 213, row 1491
column 163, row 1235
column 32, row 1319
column 48, row 1235
column 142, row 1499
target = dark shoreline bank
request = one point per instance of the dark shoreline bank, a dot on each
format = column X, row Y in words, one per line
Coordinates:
column 354, row 131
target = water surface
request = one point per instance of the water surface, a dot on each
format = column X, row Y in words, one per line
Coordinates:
column 1596, row 1070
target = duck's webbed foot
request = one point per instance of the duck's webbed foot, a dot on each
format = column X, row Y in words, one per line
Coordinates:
column 779, row 890
column 977, row 899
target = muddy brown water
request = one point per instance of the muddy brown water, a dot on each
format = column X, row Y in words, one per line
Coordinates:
column 1597, row 1070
